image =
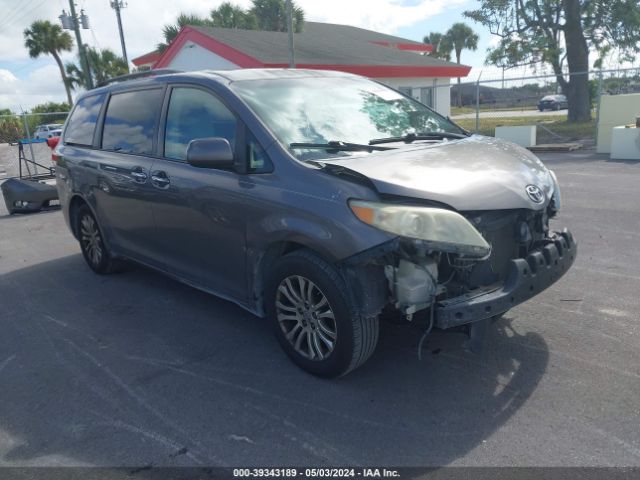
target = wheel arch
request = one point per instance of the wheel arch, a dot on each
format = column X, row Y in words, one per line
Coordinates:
column 264, row 262
column 366, row 282
column 76, row 202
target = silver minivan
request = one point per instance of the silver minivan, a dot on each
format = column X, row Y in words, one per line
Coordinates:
column 320, row 200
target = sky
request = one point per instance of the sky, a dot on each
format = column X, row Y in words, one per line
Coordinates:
column 25, row 82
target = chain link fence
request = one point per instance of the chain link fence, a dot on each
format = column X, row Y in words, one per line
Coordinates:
column 487, row 103
column 25, row 135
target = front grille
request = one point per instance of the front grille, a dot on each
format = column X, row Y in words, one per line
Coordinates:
column 500, row 229
column 504, row 247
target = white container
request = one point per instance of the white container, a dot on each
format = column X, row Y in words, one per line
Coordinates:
column 525, row 135
column 625, row 143
column 415, row 283
column 615, row 110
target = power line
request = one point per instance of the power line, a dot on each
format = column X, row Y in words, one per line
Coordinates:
column 22, row 13
column 95, row 38
column 14, row 14
column 19, row 69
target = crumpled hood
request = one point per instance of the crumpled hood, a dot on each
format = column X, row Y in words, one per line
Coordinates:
column 476, row 173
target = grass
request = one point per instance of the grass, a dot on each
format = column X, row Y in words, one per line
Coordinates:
column 489, row 108
column 564, row 131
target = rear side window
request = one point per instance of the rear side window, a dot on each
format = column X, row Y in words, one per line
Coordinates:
column 131, row 120
column 82, row 124
column 194, row 114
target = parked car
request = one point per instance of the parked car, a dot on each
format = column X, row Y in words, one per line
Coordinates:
column 315, row 199
column 553, row 102
column 48, row 131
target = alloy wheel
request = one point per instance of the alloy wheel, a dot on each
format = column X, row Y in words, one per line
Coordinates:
column 306, row 317
column 90, row 239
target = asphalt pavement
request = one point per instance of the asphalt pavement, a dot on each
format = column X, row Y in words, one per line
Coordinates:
column 135, row 369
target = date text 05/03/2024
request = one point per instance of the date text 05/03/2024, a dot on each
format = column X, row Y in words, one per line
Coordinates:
column 316, row 472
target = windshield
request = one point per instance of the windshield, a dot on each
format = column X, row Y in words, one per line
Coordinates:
column 320, row 110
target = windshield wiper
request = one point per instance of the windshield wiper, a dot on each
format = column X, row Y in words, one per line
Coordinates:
column 337, row 146
column 412, row 137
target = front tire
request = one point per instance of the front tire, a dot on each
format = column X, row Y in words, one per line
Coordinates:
column 92, row 243
column 313, row 317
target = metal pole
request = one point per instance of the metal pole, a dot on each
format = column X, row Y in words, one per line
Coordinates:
column 83, row 53
column 598, row 104
column 292, row 61
column 20, row 154
column 478, row 104
column 33, row 158
column 117, row 5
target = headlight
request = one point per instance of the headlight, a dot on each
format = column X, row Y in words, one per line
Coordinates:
column 556, row 198
column 441, row 229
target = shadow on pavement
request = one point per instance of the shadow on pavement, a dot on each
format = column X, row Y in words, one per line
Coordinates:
column 136, row 369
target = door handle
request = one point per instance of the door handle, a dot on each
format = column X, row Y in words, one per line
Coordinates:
column 138, row 175
column 160, row 179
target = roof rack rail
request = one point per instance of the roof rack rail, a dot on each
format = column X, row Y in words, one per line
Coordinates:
column 136, row 75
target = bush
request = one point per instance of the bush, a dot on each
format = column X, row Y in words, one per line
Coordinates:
column 10, row 129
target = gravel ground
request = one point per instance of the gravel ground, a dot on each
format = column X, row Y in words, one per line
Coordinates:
column 135, row 369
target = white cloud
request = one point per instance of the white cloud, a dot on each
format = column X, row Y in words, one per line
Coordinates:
column 42, row 85
column 143, row 22
column 381, row 15
column 7, row 81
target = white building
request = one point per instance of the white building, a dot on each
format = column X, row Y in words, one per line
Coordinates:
column 400, row 63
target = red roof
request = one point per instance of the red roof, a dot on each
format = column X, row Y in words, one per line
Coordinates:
column 320, row 46
column 413, row 47
column 147, row 58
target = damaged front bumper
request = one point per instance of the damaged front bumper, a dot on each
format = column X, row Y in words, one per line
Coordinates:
column 527, row 277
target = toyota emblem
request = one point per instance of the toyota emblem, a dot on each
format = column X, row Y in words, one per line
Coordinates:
column 535, row 193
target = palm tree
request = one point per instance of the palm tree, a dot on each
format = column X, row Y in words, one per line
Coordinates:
column 104, row 64
column 171, row 31
column 228, row 15
column 441, row 45
column 272, row 15
column 461, row 37
column 45, row 37
column 263, row 15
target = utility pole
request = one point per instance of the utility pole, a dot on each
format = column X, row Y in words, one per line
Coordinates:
column 292, row 61
column 72, row 22
column 118, row 5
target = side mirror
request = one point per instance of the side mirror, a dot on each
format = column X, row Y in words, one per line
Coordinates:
column 213, row 152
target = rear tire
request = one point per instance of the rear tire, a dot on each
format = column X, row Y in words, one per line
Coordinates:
column 313, row 317
column 92, row 243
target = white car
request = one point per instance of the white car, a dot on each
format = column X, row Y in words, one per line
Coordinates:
column 48, row 131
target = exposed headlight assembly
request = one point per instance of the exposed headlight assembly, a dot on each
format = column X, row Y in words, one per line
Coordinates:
column 442, row 230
